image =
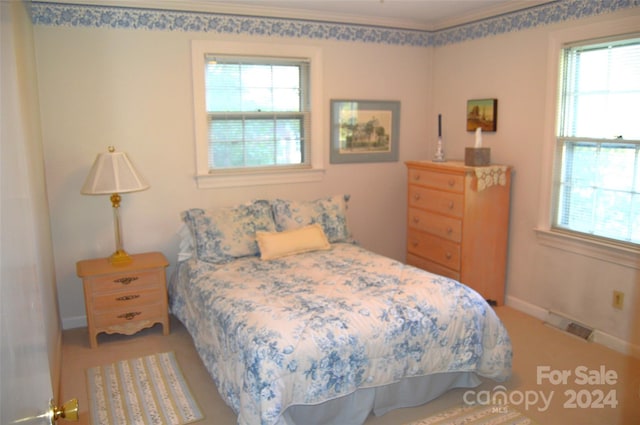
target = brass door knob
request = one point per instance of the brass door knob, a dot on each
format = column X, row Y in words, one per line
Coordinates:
column 68, row 411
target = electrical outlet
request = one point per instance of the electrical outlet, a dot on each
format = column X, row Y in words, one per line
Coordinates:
column 618, row 299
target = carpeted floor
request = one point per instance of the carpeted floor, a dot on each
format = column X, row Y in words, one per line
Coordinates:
column 538, row 350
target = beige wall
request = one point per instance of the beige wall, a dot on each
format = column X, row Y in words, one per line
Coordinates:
column 519, row 70
column 132, row 89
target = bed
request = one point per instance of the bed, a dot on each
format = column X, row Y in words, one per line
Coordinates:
column 298, row 324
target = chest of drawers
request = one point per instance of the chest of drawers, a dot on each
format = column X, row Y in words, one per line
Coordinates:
column 458, row 221
column 124, row 298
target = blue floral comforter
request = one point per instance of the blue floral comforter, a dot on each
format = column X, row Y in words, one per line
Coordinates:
column 313, row 327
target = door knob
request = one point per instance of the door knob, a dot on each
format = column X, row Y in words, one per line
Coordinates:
column 68, row 411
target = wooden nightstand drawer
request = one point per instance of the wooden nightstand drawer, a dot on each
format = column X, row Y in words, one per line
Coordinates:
column 436, row 200
column 434, row 249
column 445, row 227
column 437, row 180
column 123, row 318
column 128, row 299
column 125, row 298
column 133, row 281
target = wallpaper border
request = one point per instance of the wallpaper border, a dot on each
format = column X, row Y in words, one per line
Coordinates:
column 77, row 15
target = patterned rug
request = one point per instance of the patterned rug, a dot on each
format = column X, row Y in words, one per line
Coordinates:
column 477, row 414
column 148, row 390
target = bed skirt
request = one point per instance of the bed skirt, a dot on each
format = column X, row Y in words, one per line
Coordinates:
column 353, row 409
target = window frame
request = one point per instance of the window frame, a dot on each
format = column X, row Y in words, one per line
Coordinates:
column 237, row 177
column 599, row 249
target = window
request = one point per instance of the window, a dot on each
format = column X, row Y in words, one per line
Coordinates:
column 258, row 120
column 597, row 180
column 258, row 112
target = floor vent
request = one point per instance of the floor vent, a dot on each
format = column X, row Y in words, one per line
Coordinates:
column 570, row 326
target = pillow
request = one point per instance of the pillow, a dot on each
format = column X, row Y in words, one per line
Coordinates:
column 186, row 248
column 228, row 233
column 330, row 213
column 280, row 244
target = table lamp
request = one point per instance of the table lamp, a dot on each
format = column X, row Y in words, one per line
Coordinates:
column 113, row 173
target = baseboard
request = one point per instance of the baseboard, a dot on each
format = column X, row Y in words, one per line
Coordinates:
column 74, row 322
column 599, row 336
column 526, row 307
column 616, row 343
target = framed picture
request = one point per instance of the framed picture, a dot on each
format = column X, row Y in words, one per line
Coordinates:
column 364, row 131
column 482, row 113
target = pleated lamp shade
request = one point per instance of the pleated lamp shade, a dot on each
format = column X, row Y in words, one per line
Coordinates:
column 113, row 172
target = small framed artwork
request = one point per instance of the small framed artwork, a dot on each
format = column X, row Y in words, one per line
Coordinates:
column 364, row 131
column 482, row 113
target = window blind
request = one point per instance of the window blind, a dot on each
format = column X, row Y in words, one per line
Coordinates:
column 597, row 186
column 258, row 112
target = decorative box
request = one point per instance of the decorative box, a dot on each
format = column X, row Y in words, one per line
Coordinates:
column 477, row 157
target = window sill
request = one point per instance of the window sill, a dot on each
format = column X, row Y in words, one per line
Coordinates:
column 222, row 180
column 626, row 257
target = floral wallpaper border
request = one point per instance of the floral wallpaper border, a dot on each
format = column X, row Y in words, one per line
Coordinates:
column 76, row 15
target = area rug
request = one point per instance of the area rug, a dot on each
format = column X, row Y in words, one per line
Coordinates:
column 476, row 415
column 148, row 390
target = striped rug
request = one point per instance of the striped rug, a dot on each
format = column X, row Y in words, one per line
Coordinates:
column 148, row 390
column 476, row 415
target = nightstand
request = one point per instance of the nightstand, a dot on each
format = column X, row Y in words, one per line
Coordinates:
column 125, row 298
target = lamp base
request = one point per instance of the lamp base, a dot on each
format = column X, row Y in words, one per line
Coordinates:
column 120, row 257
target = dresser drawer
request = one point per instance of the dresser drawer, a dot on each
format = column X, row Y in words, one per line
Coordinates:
column 436, row 200
column 129, row 281
column 432, row 267
column 128, row 299
column 437, row 180
column 435, row 249
column 436, row 224
column 122, row 317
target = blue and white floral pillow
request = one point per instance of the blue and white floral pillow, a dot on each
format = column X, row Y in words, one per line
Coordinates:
column 228, row 233
column 330, row 213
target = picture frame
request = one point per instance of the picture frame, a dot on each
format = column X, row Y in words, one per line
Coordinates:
column 364, row 131
column 482, row 113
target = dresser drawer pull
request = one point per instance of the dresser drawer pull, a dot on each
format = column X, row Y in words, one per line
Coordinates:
column 451, row 205
column 416, row 220
column 416, row 177
column 449, row 230
column 416, row 197
column 415, row 243
column 448, row 255
column 127, row 297
column 452, row 182
column 129, row 316
column 126, row 280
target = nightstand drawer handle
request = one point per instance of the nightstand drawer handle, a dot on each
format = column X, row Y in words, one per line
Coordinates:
column 126, row 280
column 127, row 297
column 129, row 316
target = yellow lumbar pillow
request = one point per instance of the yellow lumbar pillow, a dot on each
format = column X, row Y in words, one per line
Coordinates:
column 279, row 244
